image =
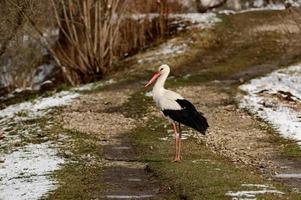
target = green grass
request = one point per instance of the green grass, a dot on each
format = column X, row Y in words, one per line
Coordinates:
column 81, row 176
column 286, row 147
column 211, row 177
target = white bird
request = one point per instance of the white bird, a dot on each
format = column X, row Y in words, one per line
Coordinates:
column 176, row 108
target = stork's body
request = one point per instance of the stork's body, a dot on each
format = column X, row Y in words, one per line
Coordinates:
column 176, row 108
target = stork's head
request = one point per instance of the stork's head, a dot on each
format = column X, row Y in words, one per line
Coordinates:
column 163, row 70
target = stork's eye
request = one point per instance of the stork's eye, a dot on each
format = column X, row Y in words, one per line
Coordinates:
column 161, row 69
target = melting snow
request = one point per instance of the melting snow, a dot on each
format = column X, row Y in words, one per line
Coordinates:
column 260, row 100
column 257, row 8
column 24, row 173
column 25, row 170
column 251, row 194
column 199, row 20
column 37, row 107
column 293, row 175
column 184, row 136
column 170, row 48
column 91, row 86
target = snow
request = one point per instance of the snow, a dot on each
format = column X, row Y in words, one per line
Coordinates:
column 199, row 20
column 38, row 107
column 251, row 194
column 149, row 16
column 24, row 173
column 260, row 99
column 257, row 7
column 170, row 48
column 268, row 7
column 149, row 94
column 292, row 175
column 91, row 86
column 184, row 136
column 25, row 170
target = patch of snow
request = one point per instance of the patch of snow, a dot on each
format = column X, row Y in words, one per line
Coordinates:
column 38, row 107
column 184, row 136
column 170, row 48
column 293, row 175
column 166, row 50
column 24, row 173
column 255, row 185
column 91, row 86
column 257, row 7
column 163, row 139
column 199, row 20
column 149, row 16
column 227, row 12
column 282, row 116
column 251, row 194
column 149, row 94
column 268, row 7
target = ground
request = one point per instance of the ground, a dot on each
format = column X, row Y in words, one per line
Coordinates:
column 239, row 155
column 119, row 146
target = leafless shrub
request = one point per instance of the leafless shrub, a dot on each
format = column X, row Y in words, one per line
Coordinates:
column 93, row 34
column 88, row 30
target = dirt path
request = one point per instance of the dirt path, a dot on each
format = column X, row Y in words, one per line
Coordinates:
column 233, row 133
column 128, row 178
column 124, row 176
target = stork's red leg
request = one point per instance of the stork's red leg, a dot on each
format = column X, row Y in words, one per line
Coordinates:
column 176, row 142
column 179, row 141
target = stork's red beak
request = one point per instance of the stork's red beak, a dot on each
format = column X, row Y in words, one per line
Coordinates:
column 155, row 76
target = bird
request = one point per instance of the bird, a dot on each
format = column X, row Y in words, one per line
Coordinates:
column 175, row 108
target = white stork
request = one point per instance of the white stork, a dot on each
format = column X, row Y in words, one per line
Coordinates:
column 176, row 108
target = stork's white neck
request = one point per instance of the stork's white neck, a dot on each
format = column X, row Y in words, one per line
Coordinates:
column 159, row 85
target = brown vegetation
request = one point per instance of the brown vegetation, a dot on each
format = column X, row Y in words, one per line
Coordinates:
column 92, row 35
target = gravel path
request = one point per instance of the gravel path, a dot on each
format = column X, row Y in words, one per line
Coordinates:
column 101, row 114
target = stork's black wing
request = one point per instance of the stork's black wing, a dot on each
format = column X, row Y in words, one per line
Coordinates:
column 188, row 116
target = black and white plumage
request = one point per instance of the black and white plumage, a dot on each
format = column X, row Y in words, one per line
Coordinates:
column 188, row 115
column 175, row 107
